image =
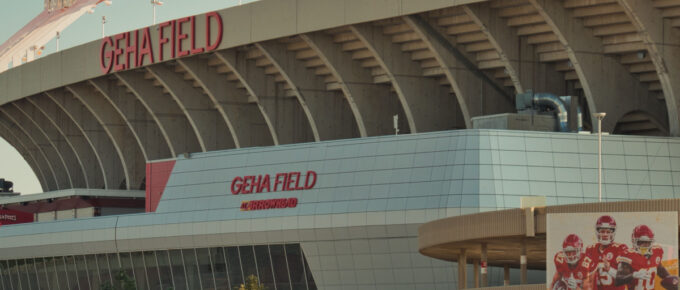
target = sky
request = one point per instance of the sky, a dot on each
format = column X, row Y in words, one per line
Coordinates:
column 122, row 15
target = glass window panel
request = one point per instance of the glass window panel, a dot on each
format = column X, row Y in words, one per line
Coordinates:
column 205, row 268
column 193, row 278
column 21, row 274
column 93, row 271
column 50, row 273
column 105, row 271
column 310, row 279
column 59, row 273
column 4, row 276
column 152, row 271
column 139, row 268
column 295, row 266
column 219, row 265
column 164, row 267
column 264, row 266
column 248, row 261
column 81, row 270
column 71, row 272
column 234, row 267
column 125, row 275
column 280, row 267
column 29, row 274
column 178, row 269
column 33, row 273
column 41, row 275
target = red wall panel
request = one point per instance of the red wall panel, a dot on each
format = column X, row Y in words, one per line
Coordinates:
column 157, row 175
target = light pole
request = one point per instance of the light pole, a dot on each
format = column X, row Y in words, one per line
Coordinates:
column 599, row 117
column 103, row 22
column 155, row 3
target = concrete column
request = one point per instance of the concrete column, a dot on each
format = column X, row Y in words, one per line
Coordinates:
column 462, row 269
column 328, row 112
column 483, row 269
column 173, row 123
column 608, row 85
column 475, row 264
column 285, row 118
column 428, row 106
column 506, row 275
column 243, row 116
column 523, row 263
column 212, row 130
column 90, row 162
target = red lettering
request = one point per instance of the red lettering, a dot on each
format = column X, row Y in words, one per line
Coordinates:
column 145, row 49
column 105, row 56
column 286, row 182
column 247, row 184
column 277, row 181
column 297, row 181
column 173, row 36
column 131, row 49
column 258, row 183
column 194, row 50
column 181, row 36
column 212, row 46
column 236, row 185
column 292, row 202
column 265, row 184
column 163, row 40
column 244, row 205
column 310, row 181
column 117, row 52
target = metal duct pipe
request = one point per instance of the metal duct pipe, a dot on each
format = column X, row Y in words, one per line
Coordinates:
column 550, row 100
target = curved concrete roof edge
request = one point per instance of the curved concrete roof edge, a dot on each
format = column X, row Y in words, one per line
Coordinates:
column 264, row 20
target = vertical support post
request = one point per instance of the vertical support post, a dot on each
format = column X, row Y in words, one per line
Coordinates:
column 462, row 269
column 506, row 275
column 475, row 264
column 483, row 270
column 523, row 262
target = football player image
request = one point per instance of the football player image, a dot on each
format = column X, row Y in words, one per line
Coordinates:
column 605, row 252
column 574, row 269
column 640, row 265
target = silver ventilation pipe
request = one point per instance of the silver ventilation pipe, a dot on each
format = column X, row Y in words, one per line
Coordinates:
column 554, row 102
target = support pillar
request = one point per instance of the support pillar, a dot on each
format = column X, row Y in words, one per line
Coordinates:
column 523, row 263
column 506, row 275
column 475, row 264
column 462, row 269
column 483, row 269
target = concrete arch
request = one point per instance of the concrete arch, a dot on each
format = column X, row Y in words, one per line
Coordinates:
column 94, row 133
column 89, row 161
column 372, row 104
column 141, row 125
column 470, row 85
column 244, row 118
column 521, row 62
column 663, row 45
column 427, row 105
column 211, row 128
column 8, row 135
column 37, row 135
column 607, row 85
column 328, row 112
column 38, row 155
column 126, row 146
column 640, row 122
column 173, row 124
column 72, row 164
column 284, row 116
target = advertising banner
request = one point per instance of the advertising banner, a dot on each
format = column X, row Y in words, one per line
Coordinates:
column 612, row 251
column 9, row 217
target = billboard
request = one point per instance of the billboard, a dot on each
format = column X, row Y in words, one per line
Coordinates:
column 612, row 251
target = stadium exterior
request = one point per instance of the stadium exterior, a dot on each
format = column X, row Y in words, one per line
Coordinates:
column 263, row 135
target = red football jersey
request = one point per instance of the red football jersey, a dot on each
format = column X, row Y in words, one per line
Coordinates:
column 579, row 272
column 609, row 254
column 641, row 263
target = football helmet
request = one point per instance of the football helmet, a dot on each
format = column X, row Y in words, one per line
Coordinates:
column 572, row 248
column 608, row 223
column 643, row 233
